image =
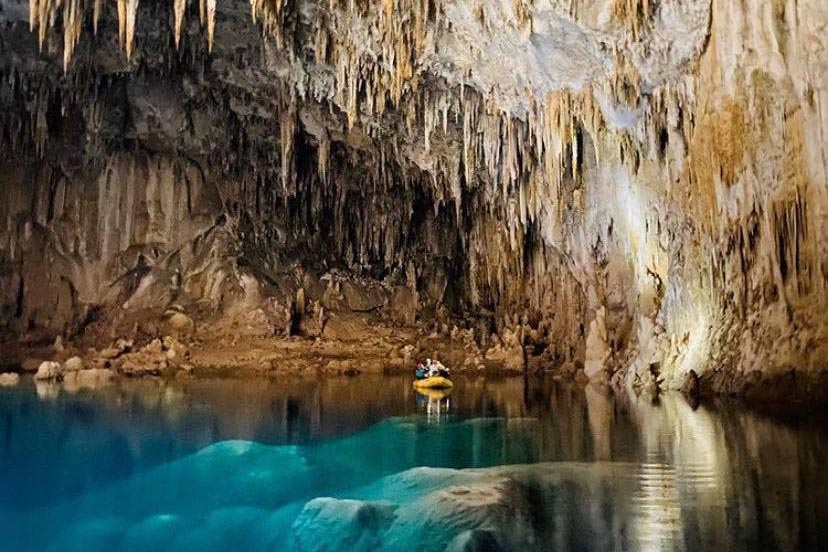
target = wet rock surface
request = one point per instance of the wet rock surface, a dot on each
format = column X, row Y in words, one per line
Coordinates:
column 49, row 371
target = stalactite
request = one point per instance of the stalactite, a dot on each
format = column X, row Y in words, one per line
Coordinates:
column 122, row 22
column 129, row 31
column 96, row 14
column 287, row 127
column 632, row 14
column 211, row 22
column 179, row 7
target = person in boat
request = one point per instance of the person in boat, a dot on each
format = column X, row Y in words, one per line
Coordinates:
column 420, row 372
column 436, row 368
column 444, row 371
column 439, row 369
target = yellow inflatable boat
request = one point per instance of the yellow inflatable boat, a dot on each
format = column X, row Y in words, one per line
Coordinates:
column 433, row 394
column 435, row 382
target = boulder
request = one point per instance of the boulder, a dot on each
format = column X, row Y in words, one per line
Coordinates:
column 179, row 350
column 31, row 364
column 179, row 324
column 155, row 346
column 346, row 524
column 690, row 386
column 48, row 371
column 345, row 327
column 110, row 353
column 124, row 345
column 360, row 298
column 139, row 367
column 121, row 347
column 9, row 379
column 73, row 364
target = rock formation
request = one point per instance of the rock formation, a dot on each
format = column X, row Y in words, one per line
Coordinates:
column 630, row 188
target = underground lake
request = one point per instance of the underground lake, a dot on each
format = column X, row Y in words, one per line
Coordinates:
column 368, row 463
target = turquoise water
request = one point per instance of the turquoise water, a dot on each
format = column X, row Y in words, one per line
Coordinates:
column 368, row 464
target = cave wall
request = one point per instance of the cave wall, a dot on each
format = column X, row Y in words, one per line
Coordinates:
column 131, row 233
column 640, row 186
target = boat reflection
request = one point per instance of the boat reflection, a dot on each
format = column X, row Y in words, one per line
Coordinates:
column 435, row 403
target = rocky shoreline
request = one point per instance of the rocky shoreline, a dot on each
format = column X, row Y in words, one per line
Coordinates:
column 246, row 346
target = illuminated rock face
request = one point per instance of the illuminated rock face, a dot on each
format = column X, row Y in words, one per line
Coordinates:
column 642, row 183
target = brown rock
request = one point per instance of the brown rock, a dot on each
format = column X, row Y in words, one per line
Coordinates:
column 360, row 298
column 309, row 327
column 690, row 386
column 124, row 345
column 345, row 327
column 110, row 353
column 404, row 305
column 31, row 364
column 140, row 368
column 155, row 346
column 179, row 324
column 395, row 364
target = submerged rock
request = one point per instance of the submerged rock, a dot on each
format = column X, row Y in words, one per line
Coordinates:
column 328, row 524
column 475, row 510
column 477, row 540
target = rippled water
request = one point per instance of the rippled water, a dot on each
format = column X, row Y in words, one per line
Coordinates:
column 369, row 464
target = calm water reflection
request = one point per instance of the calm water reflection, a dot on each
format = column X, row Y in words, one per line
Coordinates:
column 662, row 475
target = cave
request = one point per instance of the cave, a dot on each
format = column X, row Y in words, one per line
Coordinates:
column 628, row 192
column 433, row 275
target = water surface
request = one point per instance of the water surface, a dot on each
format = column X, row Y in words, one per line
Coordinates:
column 367, row 463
